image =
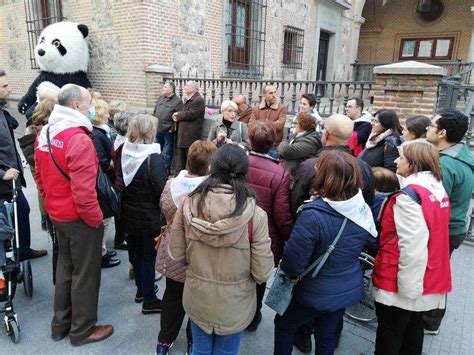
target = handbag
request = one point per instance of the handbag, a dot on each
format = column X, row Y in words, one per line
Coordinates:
column 279, row 296
column 107, row 196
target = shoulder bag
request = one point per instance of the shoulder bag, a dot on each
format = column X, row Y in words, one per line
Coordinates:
column 279, row 296
column 107, row 196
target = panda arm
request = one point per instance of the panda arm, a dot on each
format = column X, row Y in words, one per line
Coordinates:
column 30, row 97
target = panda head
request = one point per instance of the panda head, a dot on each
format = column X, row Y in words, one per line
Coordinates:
column 62, row 48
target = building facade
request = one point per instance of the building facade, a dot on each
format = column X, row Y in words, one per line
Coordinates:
column 422, row 30
column 298, row 39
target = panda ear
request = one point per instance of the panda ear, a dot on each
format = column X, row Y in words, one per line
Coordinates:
column 84, row 30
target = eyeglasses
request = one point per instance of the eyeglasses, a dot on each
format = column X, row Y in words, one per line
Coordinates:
column 432, row 125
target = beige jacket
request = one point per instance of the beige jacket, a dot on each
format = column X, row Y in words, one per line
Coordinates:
column 222, row 266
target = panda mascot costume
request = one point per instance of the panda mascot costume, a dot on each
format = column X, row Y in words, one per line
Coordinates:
column 62, row 54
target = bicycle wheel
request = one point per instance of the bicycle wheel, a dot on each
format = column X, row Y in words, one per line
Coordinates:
column 364, row 311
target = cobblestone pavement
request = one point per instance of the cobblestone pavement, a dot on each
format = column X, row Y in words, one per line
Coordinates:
column 136, row 333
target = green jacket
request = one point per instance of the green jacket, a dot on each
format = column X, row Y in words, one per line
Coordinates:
column 457, row 166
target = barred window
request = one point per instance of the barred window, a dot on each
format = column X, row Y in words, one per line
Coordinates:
column 293, row 47
column 245, row 37
column 39, row 14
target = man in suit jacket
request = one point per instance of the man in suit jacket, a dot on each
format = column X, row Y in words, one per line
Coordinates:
column 190, row 121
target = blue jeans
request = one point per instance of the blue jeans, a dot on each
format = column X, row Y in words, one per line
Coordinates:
column 325, row 328
column 165, row 140
column 24, row 232
column 205, row 344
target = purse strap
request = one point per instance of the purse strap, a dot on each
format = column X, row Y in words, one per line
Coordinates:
column 321, row 260
column 61, row 171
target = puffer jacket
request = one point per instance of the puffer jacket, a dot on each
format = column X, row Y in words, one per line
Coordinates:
column 383, row 154
column 223, row 263
column 141, row 211
column 303, row 146
column 272, row 184
column 339, row 283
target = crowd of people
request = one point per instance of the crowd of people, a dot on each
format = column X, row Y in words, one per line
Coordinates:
column 216, row 216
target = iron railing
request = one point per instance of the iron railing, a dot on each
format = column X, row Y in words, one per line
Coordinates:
column 364, row 71
column 331, row 96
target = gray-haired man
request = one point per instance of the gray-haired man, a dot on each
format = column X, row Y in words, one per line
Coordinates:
column 190, row 121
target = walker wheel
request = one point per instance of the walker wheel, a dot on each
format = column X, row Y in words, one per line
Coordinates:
column 27, row 279
column 14, row 331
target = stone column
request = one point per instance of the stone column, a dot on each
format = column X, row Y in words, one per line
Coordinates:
column 154, row 75
column 409, row 88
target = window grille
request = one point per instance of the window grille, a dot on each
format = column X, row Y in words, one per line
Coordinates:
column 39, row 14
column 245, row 37
column 293, row 45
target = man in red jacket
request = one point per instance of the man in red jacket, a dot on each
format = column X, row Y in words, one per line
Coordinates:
column 74, row 210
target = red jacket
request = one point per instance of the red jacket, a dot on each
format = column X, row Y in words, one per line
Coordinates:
column 437, row 276
column 272, row 184
column 68, row 201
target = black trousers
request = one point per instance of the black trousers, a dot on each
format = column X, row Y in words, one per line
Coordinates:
column 172, row 313
column 76, row 294
column 181, row 160
column 399, row 331
column 432, row 319
column 260, row 293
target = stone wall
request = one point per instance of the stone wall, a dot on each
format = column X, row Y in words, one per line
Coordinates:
column 385, row 25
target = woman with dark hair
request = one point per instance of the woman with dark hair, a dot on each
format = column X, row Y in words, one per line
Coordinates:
column 381, row 147
column 222, row 236
column 412, row 268
column 338, row 210
column 416, row 127
column 305, row 143
column 272, row 184
column 172, row 313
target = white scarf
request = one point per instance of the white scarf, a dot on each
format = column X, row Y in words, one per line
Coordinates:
column 357, row 211
column 182, row 185
column 426, row 179
column 133, row 155
column 104, row 127
column 119, row 140
column 62, row 118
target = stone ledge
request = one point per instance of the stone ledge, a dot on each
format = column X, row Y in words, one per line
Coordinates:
column 159, row 69
column 410, row 68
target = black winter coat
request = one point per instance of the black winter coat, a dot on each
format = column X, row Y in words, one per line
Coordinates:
column 141, row 211
column 190, row 121
column 383, row 154
column 9, row 157
column 306, row 172
column 103, row 147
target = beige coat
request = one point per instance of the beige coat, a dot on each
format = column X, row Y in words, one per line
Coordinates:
column 222, row 266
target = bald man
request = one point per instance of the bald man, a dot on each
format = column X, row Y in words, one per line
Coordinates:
column 337, row 130
column 244, row 111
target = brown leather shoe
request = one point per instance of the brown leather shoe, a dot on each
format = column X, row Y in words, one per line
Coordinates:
column 100, row 332
column 34, row 253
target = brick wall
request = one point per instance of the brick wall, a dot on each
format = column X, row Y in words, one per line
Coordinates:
column 385, row 25
column 408, row 95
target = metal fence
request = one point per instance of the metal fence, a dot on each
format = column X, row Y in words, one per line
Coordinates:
column 456, row 69
column 331, row 96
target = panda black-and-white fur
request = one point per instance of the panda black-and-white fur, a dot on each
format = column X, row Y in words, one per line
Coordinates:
column 62, row 54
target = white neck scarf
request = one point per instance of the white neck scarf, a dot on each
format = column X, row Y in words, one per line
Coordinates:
column 133, row 155
column 119, row 140
column 62, row 118
column 357, row 211
column 182, row 185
